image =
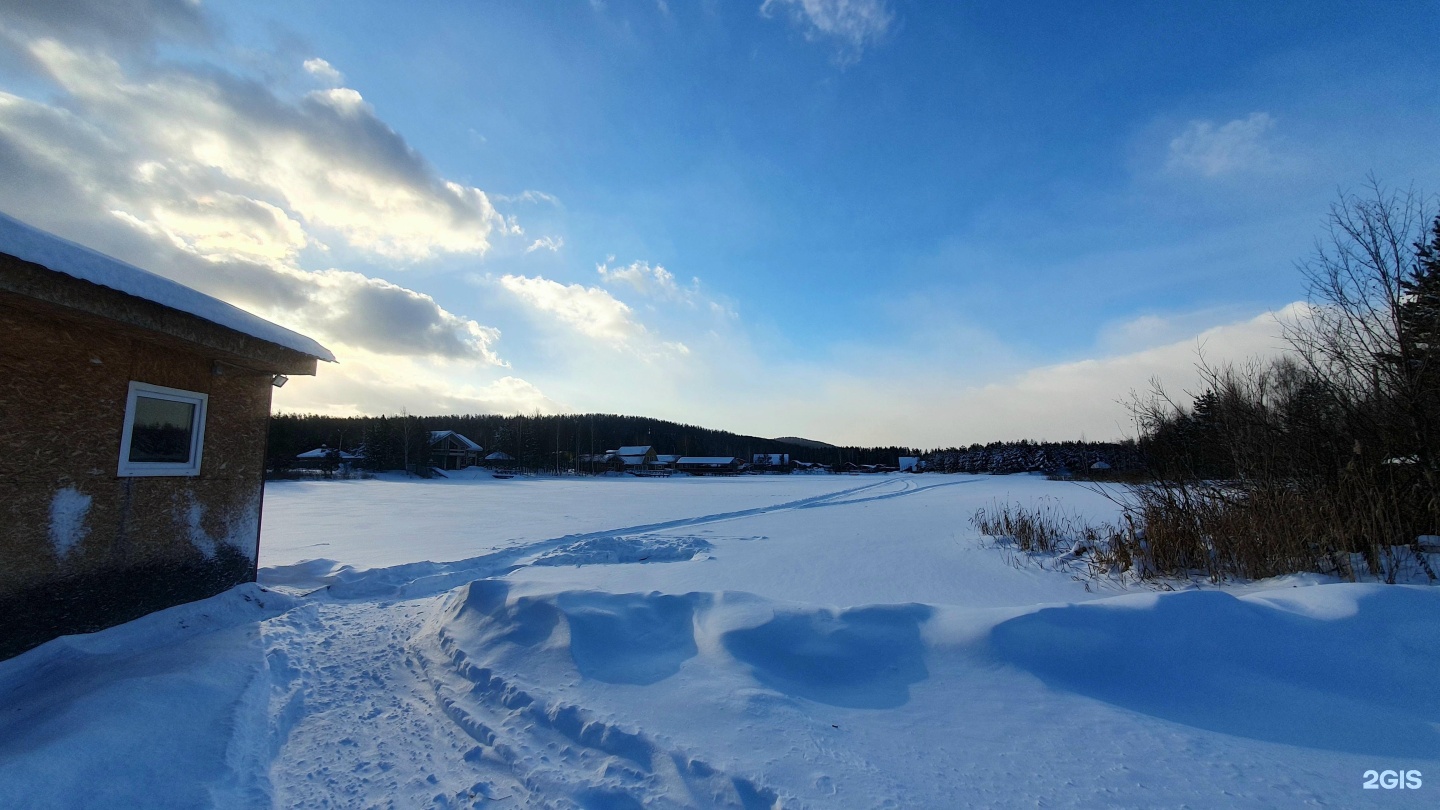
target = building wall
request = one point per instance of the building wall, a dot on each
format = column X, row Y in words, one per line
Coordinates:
column 80, row 548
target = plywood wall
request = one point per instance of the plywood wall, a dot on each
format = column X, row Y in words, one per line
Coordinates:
column 81, row 548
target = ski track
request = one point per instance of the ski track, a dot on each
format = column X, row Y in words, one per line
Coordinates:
column 314, row 731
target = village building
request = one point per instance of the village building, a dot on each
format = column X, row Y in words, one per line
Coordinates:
column 331, row 459
column 708, row 465
column 636, row 457
column 452, row 451
column 135, row 413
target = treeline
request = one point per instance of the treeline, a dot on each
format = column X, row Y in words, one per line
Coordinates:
column 537, row 442
column 1052, row 458
column 1327, row 459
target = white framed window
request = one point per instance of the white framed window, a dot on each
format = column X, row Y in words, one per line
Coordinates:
column 164, row 431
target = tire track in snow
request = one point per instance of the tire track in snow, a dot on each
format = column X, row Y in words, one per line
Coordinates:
column 415, row 580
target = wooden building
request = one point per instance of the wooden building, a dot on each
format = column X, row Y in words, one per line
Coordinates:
column 708, row 465
column 452, row 451
column 134, row 413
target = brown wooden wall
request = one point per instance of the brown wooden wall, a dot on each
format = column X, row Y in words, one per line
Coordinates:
column 148, row 542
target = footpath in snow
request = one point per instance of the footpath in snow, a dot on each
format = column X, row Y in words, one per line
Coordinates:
column 825, row 641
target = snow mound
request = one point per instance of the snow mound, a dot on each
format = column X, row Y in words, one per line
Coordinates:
column 626, row 639
column 1304, row 666
column 622, row 549
column 306, row 575
column 128, row 716
column 862, row 658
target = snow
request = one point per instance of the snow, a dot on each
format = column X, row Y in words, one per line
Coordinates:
column 327, row 453
column 63, row 256
column 68, row 509
column 766, row 641
column 438, row 435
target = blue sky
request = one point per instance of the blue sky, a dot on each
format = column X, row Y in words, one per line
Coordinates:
column 863, row 221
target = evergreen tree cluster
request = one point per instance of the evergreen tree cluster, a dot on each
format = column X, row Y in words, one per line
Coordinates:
column 538, row 442
column 1052, row 458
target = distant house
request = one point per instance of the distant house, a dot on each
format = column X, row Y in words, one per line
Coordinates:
column 708, row 465
column 135, row 412
column 329, row 458
column 909, row 464
column 666, row 461
column 770, row 460
column 498, row 459
column 451, row 451
column 636, row 457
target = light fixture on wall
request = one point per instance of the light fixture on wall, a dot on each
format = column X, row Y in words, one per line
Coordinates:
column 279, row 381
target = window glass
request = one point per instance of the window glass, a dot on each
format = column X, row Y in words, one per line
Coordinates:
column 164, row 431
column 161, row 430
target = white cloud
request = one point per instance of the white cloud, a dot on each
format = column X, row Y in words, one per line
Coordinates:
column 216, row 182
column 374, row 384
column 224, row 224
column 120, row 25
column 550, row 243
column 324, row 71
column 1236, row 146
column 528, row 196
column 70, row 176
column 854, row 24
column 327, row 160
column 654, row 281
column 591, row 311
column 1160, row 328
column 389, row 319
column 921, row 406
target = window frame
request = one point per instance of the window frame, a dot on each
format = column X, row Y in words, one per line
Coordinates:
column 135, row 469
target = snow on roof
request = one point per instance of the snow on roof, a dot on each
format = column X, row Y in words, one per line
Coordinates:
column 667, row 458
column 499, row 456
column 437, row 435
column 707, row 460
column 63, row 256
column 633, row 460
column 634, row 450
column 322, row 452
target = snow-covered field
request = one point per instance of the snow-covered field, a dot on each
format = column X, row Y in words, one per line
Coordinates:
column 800, row 641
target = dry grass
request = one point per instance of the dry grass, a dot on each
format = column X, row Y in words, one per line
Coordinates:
column 1223, row 532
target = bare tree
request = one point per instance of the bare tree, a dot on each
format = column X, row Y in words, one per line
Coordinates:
column 1356, row 339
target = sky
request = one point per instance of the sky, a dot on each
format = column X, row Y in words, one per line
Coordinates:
column 859, row 221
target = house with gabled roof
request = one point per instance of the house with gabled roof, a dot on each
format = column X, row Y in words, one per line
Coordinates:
column 449, row 450
column 636, row 455
column 136, row 411
column 331, row 459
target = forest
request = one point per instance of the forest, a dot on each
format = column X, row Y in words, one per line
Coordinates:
column 539, row 443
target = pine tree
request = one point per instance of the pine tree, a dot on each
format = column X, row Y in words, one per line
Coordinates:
column 1418, row 322
column 1419, row 314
